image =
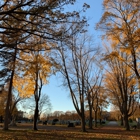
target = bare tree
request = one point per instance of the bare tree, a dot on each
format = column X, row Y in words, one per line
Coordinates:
column 93, row 86
column 76, row 61
column 35, row 18
column 44, row 105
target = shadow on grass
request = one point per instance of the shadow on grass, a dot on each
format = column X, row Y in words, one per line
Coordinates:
column 95, row 134
column 49, row 135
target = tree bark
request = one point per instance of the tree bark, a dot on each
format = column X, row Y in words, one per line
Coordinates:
column 126, row 115
column 95, row 118
column 90, row 117
column 1, row 119
column 36, row 116
column 7, row 110
column 100, row 113
column 83, row 118
column 126, row 122
column 100, row 121
column 13, row 123
column 9, row 98
column 122, row 121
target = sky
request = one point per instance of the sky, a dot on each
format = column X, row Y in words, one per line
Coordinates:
column 59, row 95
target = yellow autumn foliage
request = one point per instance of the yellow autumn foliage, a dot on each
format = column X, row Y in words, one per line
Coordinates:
column 120, row 26
column 36, row 67
column 25, row 87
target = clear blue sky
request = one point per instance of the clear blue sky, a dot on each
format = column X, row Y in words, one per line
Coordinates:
column 59, row 96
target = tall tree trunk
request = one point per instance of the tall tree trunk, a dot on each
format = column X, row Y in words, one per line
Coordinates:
column 100, row 114
column 83, row 117
column 7, row 110
column 95, row 118
column 1, row 119
column 90, row 117
column 36, row 96
column 126, row 115
column 126, row 122
column 122, row 120
column 36, row 116
column 9, row 97
column 100, row 121
column 13, row 122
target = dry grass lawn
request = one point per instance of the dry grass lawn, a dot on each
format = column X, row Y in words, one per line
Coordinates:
column 65, row 133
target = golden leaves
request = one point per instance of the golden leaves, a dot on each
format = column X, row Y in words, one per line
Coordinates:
column 24, row 86
column 112, row 55
column 36, row 69
column 126, row 50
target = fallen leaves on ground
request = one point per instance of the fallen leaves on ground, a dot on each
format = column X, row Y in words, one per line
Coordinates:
column 66, row 135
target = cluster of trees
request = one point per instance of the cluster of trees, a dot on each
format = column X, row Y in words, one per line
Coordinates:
column 72, row 116
column 95, row 78
column 29, row 29
column 82, row 75
column 39, row 38
column 28, row 104
column 60, row 115
column 120, row 25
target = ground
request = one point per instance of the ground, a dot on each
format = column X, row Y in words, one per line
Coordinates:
column 111, row 131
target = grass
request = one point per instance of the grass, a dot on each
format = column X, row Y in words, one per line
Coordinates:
column 130, row 123
column 52, row 135
column 60, row 135
column 57, row 133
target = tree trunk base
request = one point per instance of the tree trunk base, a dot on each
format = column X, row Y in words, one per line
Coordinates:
column 84, row 131
column 91, row 128
column 5, row 129
column 13, row 124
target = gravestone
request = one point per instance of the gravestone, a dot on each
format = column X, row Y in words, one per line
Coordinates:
column 71, row 125
column 138, row 122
